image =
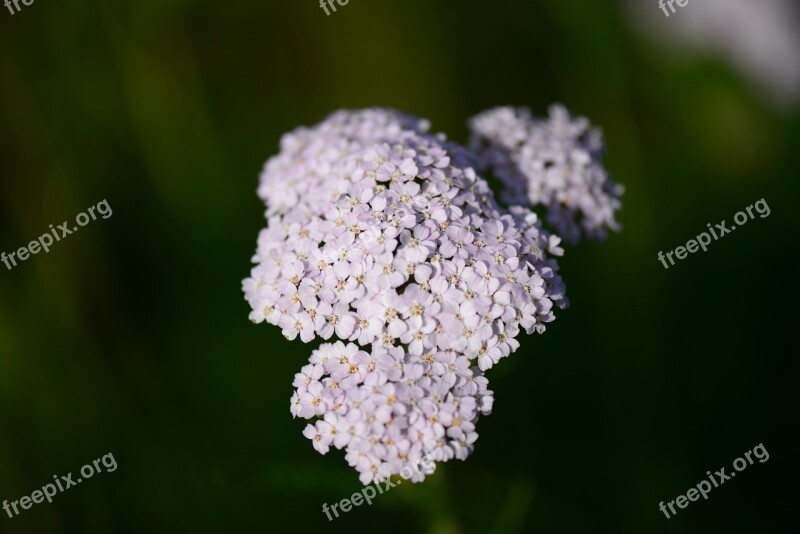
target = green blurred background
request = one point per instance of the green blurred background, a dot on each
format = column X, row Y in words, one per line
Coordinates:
column 131, row 336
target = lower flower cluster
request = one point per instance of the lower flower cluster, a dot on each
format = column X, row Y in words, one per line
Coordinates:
column 389, row 409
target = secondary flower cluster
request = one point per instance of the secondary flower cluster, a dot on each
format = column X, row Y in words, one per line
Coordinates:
column 555, row 163
column 390, row 409
column 382, row 235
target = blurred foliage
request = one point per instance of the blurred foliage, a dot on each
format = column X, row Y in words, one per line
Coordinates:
column 132, row 336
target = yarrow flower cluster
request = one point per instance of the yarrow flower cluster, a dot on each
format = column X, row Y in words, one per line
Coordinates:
column 382, row 235
column 554, row 163
column 389, row 409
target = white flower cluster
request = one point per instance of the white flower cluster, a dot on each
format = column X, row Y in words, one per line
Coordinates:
column 554, row 163
column 381, row 234
column 390, row 409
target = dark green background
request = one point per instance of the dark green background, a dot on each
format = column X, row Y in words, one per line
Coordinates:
column 132, row 336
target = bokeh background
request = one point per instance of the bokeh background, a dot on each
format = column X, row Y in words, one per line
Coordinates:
column 131, row 336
